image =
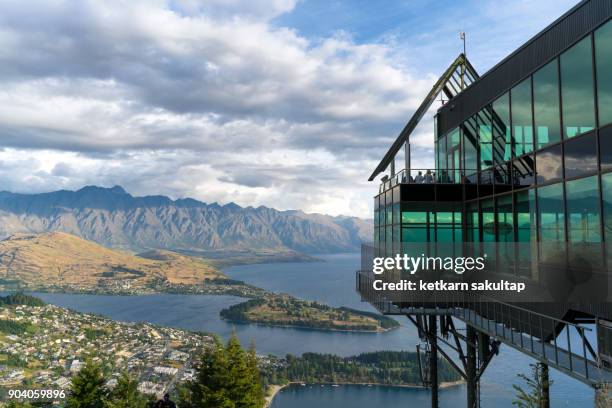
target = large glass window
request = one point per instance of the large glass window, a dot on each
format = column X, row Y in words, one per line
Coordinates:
column 526, row 215
column 583, row 210
column 415, row 225
column 470, row 155
column 523, row 171
column 502, row 145
column 577, row 89
column 551, row 213
column 605, row 147
column 472, row 222
column 448, row 226
column 580, row 156
column 549, row 164
column 505, row 219
column 546, row 105
column 525, row 209
column 485, row 139
column 603, row 58
column 606, row 188
column 442, row 153
column 522, row 119
column 488, row 220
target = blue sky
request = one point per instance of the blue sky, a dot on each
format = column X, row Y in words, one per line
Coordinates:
column 283, row 103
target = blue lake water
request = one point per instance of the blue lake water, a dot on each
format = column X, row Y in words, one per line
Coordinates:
column 331, row 282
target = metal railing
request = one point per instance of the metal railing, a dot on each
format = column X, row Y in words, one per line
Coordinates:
column 533, row 332
column 560, row 343
column 428, row 176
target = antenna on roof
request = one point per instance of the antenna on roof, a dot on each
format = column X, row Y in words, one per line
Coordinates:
column 462, row 37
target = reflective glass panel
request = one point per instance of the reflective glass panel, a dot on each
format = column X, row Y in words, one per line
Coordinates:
column 551, row 213
column 606, row 187
column 525, row 215
column 442, row 153
column 485, row 139
column 523, row 171
column 549, row 164
column 472, row 223
column 583, row 210
column 580, row 156
column 522, row 119
column 488, row 221
column 502, row 145
column 605, row 147
column 603, row 58
column 577, row 89
column 546, row 105
column 505, row 219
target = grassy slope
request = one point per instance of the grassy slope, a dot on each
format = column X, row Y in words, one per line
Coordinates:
column 60, row 258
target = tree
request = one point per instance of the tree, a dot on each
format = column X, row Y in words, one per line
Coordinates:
column 227, row 377
column 87, row 388
column 534, row 396
column 126, row 394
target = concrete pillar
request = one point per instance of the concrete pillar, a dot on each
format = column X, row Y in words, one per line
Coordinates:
column 433, row 359
column 471, row 339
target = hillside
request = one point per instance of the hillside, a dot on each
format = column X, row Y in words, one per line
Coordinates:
column 116, row 219
column 62, row 259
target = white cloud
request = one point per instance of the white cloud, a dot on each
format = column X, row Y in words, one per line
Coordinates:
column 199, row 98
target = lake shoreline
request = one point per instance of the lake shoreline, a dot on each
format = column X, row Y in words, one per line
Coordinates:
column 288, row 326
column 273, row 390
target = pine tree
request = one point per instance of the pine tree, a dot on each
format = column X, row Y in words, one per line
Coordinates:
column 126, row 394
column 256, row 389
column 227, row 377
column 87, row 388
column 534, row 396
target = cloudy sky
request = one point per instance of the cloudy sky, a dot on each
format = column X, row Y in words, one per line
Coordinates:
column 283, row 103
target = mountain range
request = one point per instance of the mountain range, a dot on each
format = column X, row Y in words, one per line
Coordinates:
column 116, row 219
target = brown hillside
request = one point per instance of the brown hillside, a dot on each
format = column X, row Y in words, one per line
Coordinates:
column 58, row 258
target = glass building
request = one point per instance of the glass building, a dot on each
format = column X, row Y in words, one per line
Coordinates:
column 523, row 154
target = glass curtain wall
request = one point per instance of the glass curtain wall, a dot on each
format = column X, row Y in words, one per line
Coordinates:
column 577, row 95
column 603, row 59
column 546, row 105
column 522, row 118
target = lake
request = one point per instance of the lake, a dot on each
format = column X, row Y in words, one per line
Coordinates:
column 331, row 282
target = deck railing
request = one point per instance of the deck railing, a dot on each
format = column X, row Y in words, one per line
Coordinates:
column 428, row 176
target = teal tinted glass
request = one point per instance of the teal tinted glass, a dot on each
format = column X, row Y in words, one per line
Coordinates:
column 526, row 216
column 485, row 139
column 583, row 210
column 505, row 219
column 442, row 153
column 453, row 138
column 472, row 224
column 551, row 213
column 522, row 118
column 603, row 59
column 414, row 217
column 578, row 104
column 546, row 105
column 606, row 187
column 488, row 221
column 502, row 149
column 414, row 234
column 470, row 153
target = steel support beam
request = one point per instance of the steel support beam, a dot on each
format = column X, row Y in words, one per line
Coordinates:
column 545, row 401
column 472, row 382
column 433, row 359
